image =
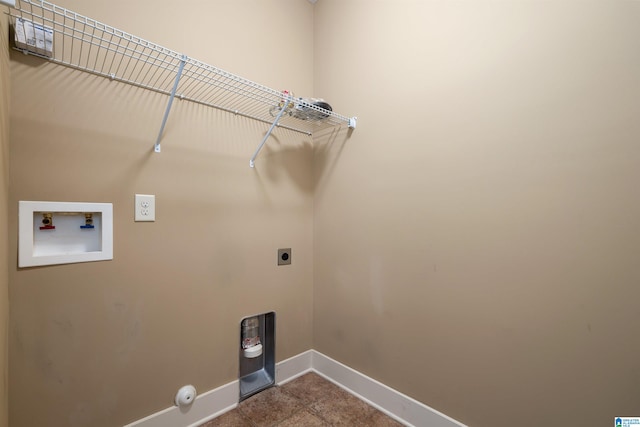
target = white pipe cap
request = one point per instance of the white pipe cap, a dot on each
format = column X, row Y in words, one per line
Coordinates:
column 185, row 396
column 253, row 351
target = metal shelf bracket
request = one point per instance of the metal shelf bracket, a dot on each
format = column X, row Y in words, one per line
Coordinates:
column 183, row 61
column 285, row 107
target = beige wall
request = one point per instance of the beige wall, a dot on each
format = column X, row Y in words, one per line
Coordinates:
column 4, row 211
column 477, row 239
column 107, row 343
column 473, row 244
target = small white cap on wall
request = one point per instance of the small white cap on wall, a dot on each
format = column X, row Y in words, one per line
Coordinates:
column 185, row 396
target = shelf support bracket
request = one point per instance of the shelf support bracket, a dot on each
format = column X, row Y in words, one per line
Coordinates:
column 285, row 107
column 183, row 61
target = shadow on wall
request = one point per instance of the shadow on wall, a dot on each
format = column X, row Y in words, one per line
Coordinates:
column 23, row 58
column 286, row 161
column 328, row 146
column 320, row 157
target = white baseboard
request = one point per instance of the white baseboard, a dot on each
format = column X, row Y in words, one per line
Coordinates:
column 205, row 407
column 216, row 402
column 398, row 406
column 294, row 367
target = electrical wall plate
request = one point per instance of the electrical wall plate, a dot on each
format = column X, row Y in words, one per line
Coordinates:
column 145, row 208
column 284, row 256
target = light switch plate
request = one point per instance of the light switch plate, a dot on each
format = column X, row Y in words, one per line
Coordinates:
column 145, row 207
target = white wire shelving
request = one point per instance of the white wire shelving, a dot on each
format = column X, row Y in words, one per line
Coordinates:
column 85, row 44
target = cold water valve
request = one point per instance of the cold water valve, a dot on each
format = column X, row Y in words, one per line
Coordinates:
column 88, row 221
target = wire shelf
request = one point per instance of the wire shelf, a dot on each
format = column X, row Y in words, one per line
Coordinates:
column 91, row 46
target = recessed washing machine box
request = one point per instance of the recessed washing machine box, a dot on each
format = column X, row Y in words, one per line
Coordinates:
column 257, row 354
column 64, row 232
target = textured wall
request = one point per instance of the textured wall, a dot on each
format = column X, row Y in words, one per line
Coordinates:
column 107, row 343
column 4, row 211
column 477, row 239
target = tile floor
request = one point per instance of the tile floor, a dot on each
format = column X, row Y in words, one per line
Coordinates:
column 307, row 401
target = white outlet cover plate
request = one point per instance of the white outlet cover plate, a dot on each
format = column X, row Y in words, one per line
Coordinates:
column 145, row 205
